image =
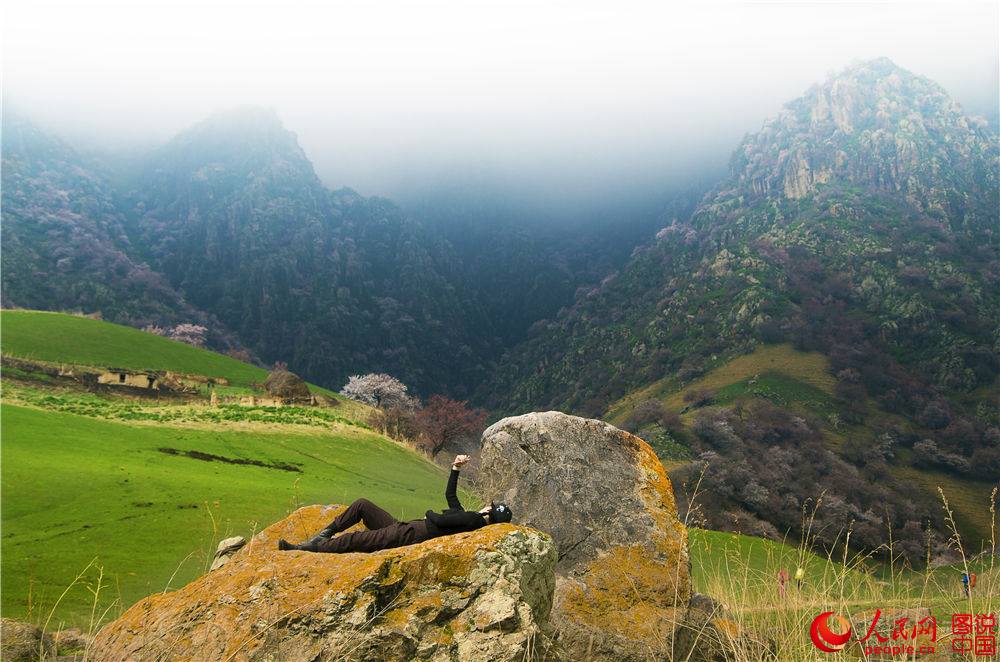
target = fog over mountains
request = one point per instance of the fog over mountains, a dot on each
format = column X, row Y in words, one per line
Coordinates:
column 556, row 108
column 854, row 232
column 228, row 225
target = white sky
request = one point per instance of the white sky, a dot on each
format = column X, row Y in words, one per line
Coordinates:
column 386, row 95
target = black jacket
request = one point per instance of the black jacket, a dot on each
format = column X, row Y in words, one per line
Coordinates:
column 455, row 519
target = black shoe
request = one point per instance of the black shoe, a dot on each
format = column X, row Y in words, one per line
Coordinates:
column 285, row 546
column 323, row 535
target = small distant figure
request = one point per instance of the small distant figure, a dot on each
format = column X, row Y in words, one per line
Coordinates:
column 800, row 574
column 782, row 582
column 968, row 583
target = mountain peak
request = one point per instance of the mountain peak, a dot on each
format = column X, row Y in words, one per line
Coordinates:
column 242, row 127
column 235, row 148
column 874, row 125
column 880, row 66
column 246, row 118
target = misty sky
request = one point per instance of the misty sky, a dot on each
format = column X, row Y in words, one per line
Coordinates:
column 550, row 98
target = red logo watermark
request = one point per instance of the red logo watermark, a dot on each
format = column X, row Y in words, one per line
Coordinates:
column 903, row 634
column 826, row 639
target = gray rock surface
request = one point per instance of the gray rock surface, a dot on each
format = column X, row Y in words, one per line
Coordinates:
column 622, row 581
column 227, row 547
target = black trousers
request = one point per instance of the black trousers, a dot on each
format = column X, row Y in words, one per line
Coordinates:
column 384, row 530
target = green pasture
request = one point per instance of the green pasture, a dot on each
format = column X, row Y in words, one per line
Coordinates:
column 76, row 489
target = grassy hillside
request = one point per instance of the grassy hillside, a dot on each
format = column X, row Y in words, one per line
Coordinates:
column 57, row 337
column 77, row 488
column 146, row 488
column 741, row 572
column 716, row 555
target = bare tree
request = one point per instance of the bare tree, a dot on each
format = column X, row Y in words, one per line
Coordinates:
column 443, row 420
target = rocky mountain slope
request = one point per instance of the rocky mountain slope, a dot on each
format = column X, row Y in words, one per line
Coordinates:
column 65, row 240
column 228, row 226
column 885, row 221
column 231, row 212
column 860, row 223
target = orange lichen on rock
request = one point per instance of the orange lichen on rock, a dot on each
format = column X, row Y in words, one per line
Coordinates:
column 639, row 591
column 404, row 603
column 623, row 578
column 627, row 589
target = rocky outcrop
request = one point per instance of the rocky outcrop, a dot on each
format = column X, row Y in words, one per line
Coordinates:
column 23, row 642
column 227, row 547
column 873, row 125
column 622, row 581
column 483, row 596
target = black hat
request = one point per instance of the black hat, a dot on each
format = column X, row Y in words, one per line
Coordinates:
column 500, row 512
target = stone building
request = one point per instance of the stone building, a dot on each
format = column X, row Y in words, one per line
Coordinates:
column 124, row 377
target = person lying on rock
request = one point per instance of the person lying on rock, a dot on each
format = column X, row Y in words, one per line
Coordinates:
column 385, row 531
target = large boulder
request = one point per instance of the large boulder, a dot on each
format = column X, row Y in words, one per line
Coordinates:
column 622, row 578
column 479, row 596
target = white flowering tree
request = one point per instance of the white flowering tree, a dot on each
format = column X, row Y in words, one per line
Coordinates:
column 192, row 334
column 379, row 390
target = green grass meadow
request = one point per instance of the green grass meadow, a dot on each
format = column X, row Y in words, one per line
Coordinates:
column 77, row 489
column 741, row 572
column 56, row 337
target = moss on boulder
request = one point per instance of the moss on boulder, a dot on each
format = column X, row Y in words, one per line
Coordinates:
column 484, row 595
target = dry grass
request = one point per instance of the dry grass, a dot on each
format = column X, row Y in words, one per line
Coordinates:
column 844, row 583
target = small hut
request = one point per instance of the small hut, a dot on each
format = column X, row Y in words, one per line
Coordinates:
column 130, row 378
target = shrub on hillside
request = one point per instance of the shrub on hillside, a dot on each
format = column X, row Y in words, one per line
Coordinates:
column 192, row 334
column 699, row 397
column 240, row 355
column 396, row 422
column 775, row 464
column 646, row 412
column 926, row 453
column 443, row 421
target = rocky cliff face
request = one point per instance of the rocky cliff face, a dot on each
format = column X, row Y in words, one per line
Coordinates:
column 480, row 596
column 622, row 578
column 874, row 125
